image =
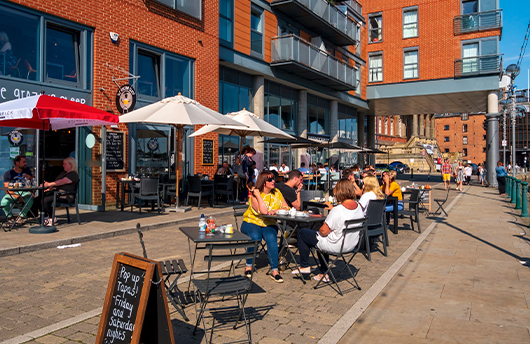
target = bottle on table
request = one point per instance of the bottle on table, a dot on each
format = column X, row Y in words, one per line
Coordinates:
column 202, row 224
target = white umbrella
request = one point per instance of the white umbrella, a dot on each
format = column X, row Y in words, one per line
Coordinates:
column 254, row 126
column 178, row 111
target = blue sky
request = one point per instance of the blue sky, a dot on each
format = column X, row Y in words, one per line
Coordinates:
column 516, row 14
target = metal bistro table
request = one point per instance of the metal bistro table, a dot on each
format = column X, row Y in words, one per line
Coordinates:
column 123, row 183
column 298, row 221
column 199, row 238
column 19, row 192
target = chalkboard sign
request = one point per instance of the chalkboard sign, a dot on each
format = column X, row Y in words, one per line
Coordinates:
column 207, row 152
column 135, row 296
column 115, row 156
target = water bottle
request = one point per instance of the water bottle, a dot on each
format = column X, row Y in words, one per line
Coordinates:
column 202, row 224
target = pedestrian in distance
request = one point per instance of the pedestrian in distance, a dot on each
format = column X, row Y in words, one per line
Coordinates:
column 501, row 178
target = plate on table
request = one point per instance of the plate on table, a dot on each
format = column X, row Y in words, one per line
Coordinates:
column 301, row 214
column 282, row 212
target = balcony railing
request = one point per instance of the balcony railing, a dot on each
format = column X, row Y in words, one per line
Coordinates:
column 478, row 65
column 300, row 57
column 339, row 28
column 354, row 5
column 478, row 21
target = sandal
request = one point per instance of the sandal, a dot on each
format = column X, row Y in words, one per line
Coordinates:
column 248, row 273
column 320, row 277
column 277, row 278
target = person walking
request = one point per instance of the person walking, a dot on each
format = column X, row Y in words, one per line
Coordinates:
column 446, row 174
column 501, row 178
column 460, row 176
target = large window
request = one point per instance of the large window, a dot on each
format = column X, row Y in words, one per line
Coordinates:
column 480, row 55
column 35, row 47
column 256, row 30
column 410, row 63
column 281, row 105
column 235, row 91
column 375, row 22
column 151, row 63
column 226, row 22
column 190, row 7
column 375, row 72
column 318, row 115
column 410, row 22
column 347, row 124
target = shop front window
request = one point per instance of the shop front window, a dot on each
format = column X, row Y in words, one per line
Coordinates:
column 149, row 71
column 177, row 76
column 62, row 54
column 318, row 115
column 281, row 107
column 235, row 91
column 152, row 149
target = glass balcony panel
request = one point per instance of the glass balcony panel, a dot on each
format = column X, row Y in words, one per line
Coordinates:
column 478, row 21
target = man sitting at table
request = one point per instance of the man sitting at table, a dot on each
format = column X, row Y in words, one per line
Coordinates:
column 224, row 170
column 17, row 174
column 291, row 189
column 283, row 169
column 303, row 169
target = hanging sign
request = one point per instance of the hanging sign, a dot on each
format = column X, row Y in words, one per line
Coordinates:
column 125, row 99
column 152, row 144
column 15, row 137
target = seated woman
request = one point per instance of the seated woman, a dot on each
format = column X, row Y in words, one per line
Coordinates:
column 392, row 189
column 265, row 199
column 329, row 237
column 371, row 190
column 66, row 181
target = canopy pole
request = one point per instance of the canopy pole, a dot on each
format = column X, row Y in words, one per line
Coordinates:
column 178, row 208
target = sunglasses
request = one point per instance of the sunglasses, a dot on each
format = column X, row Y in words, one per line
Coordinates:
column 270, row 179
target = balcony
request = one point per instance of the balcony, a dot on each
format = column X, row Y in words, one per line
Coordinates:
column 321, row 17
column 478, row 65
column 296, row 56
column 353, row 8
column 479, row 21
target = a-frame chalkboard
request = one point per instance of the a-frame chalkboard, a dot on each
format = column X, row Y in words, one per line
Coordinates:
column 135, row 309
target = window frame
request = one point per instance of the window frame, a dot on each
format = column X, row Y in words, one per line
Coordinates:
column 410, row 9
column 446, row 139
column 370, row 56
column 464, row 152
column 446, row 126
column 408, row 50
column 464, row 128
column 232, row 22
column 464, row 140
column 176, row 8
column 370, row 16
column 256, row 8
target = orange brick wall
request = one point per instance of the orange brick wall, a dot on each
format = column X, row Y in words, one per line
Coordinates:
column 151, row 23
column 438, row 46
column 475, row 136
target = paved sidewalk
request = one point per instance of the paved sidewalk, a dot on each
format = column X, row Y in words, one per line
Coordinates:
column 465, row 282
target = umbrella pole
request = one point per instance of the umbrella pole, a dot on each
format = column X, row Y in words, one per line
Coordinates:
column 42, row 229
column 178, row 208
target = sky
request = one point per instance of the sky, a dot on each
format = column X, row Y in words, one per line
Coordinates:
column 516, row 15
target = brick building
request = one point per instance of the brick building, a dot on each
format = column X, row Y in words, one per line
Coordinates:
column 463, row 134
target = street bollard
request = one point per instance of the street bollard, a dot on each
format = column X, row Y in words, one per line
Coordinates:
column 514, row 192
column 518, row 195
column 509, row 187
column 524, row 203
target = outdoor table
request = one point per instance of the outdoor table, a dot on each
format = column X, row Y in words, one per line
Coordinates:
column 19, row 192
column 424, row 200
column 199, row 238
column 123, row 184
column 395, row 200
column 298, row 221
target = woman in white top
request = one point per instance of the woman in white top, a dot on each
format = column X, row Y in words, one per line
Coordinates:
column 329, row 236
column 371, row 190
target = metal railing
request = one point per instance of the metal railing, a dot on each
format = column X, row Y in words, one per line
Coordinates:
column 478, row 65
column 354, row 5
column 478, row 21
column 330, row 14
column 292, row 48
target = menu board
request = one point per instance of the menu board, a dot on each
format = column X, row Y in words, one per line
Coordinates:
column 207, row 152
column 115, row 157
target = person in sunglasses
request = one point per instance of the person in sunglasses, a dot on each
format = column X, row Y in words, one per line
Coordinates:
column 264, row 199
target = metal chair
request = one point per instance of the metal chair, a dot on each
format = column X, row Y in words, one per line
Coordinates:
column 169, row 269
column 350, row 228
column 148, row 191
column 223, row 289
column 441, row 202
column 195, row 190
column 307, row 195
column 226, row 188
column 376, row 225
column 414, row 208
column 239, row 210
column 64, row 199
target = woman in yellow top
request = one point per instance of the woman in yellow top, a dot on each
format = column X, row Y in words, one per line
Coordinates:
column 265, row 199
column 391, row 188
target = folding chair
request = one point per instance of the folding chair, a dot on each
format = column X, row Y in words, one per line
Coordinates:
column 441, row 202
column 376, row 225
column 350, row 227
column 414, row 208
column 170, row 269
column 223, row 289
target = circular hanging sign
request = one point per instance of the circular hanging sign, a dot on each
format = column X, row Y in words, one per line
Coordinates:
column 15, row 137
column 125, row 99
column 90, row 141
column 152, row 144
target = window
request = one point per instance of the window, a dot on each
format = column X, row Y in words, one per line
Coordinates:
column 469, row 6
column 256, row 30
column 446, row 139
column 465, row 117
column 226, row 22
column 480, row 56
column 410, row 22
column 464, row 140
column 62, row 54
column 464, row 152
column 347, row 123
column 235, row 90
column 464, row 128
column 281, row 105
column 446, row 127
column 151, row 63
column 446, row 150
column 190, row 7
column 410, row 63
column 376, row 67
column 318, row 113
column 375, row 28
column 484, row 137
column 483, row 149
